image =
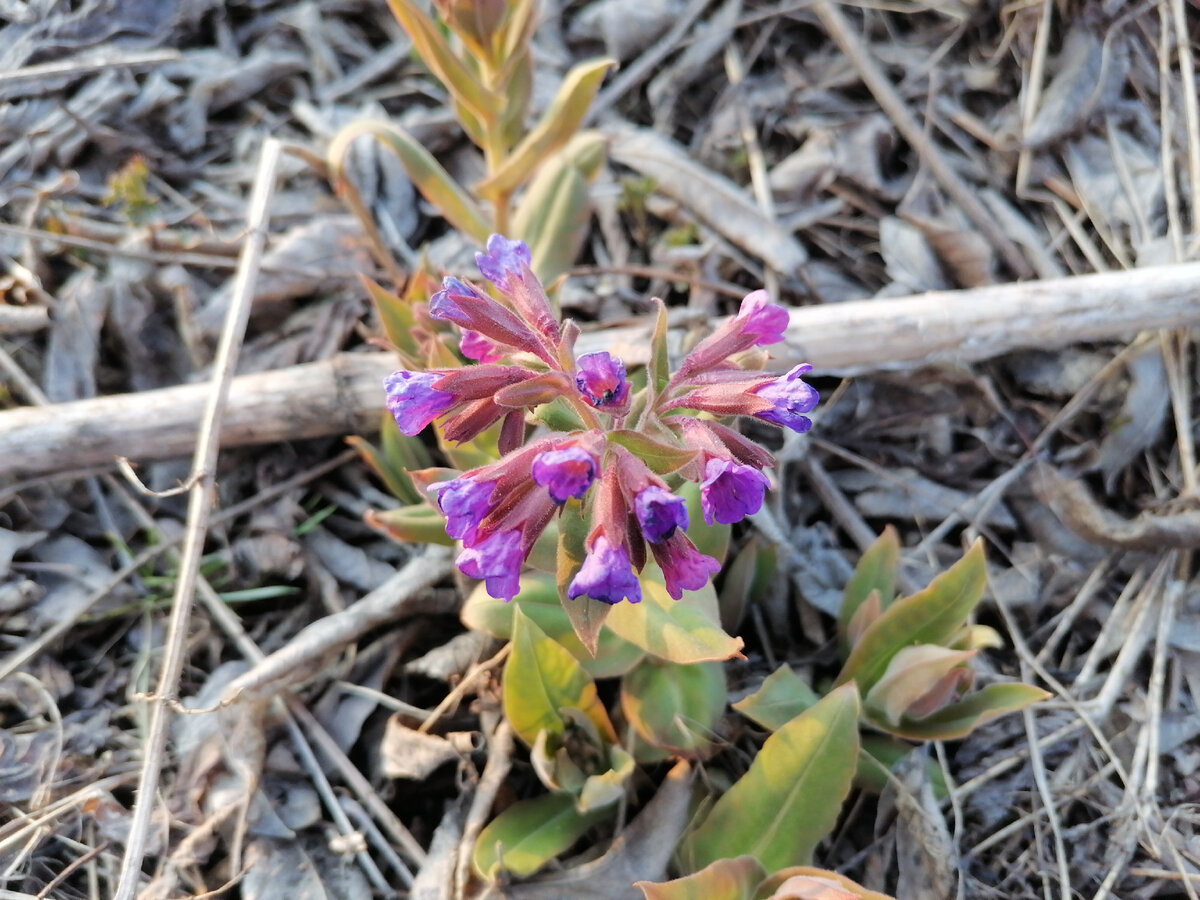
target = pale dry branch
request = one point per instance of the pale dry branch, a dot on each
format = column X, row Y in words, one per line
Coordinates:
column 343, row 395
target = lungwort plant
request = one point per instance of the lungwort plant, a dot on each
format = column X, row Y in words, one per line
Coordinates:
column 592, row 506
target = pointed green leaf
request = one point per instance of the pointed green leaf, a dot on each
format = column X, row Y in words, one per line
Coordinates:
column 876, row 571
column 725, row 879
column 435, row 52
column 660, row 361
column 397, row 319
column 661, row 457
column 540, row 679
column 958, row 719
column 712, row 540
column 782, row 696
column 553, row 216
column 931, row 616
column 911, row 674
column 529, row 834
column 559, row 122
column 587, row 615
column 677, row 631
column 538, row 599
column 427, row 174
column 416, row 524
column 675, row 707
column 747, row 579
column 792, row 794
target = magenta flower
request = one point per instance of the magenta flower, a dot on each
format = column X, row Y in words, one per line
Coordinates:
column 684, row 567
column 496, row 559
column 731, row 491
column 565, row 473
column 475, row 346
column 503, row 260
column 465, row 502
column 792, row 397
column 764, row 320
column 413, row 401
column 460, row 303
column 606, row 575
column 660, row 513
column 601, row 379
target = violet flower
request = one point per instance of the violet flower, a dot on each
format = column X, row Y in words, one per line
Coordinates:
column 684, row 567
column 465, row 502
column 496, row 559
column 606, row 575
column 413, row 401
column 566, row 472
column 601, row 379
column 660, row 513
column 762, row 319
column 730, row 491
column 475, row 346
column 503, row 260
column 792, row 397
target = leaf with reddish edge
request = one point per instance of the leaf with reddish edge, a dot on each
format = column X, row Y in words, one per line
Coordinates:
column 725, row 879
column 876, row 571
column 959, row 719
column 931, row 616
column 587, row 615
column 419, row 523
column 541, row 678
column 805, row 883
column 792, row 794
column 680, row 631
column 660, row 457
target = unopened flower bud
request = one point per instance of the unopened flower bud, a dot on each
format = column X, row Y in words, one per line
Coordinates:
column 659, row 513
column 566, row 472
column 601, row 379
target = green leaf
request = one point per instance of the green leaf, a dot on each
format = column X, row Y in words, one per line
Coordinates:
column 542, row 678
column 416, row 524
column 725, row 879
column 782, row 696
column 660, row 361
column 558, row 416
column 678, row 631
column 427, row 174
column 397, row 319
column 662, row 458
column 712, row 540
column 538, row 599
column 876, row 571
column 529, row 834
column 675, row 707
column 587, row 615
column 958, row 719
column 559, row 122
column 879, row 755
column 553, row 216
column 435, row 52
column 792, row 794
column 747, row 578
column 931, row 616
column 912, row 674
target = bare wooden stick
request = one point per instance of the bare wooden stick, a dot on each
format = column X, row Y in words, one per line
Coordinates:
column 21, row 319
column 207, row 444
column 344, row 395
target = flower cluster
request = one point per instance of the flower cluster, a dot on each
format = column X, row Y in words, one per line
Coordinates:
column 627, row 445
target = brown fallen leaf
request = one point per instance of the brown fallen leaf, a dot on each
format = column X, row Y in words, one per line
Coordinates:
column 408, row 753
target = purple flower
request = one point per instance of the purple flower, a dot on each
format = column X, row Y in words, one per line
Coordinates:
column 413, row 401
column 565, row 473
column 730, row 491
column 792, row 397
column 447, row 303
column 606, row 575
column 503, row 259
column 464, row 501
column 601, row 379
column 475, row 346
column 760, row 317
column 660, row 513
column 497, row 560
column 684, row 567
